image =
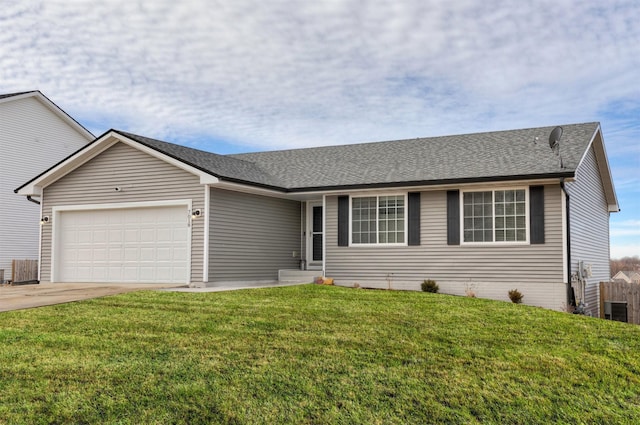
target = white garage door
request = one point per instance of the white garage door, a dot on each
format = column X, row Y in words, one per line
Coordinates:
column 147, row 245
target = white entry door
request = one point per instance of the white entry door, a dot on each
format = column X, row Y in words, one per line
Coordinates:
column 141, row 245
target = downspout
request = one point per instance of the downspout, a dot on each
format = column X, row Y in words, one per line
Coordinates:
column 29, row 198
column 571, row 298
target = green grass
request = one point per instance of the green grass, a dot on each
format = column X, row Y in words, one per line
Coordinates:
column 314, row 354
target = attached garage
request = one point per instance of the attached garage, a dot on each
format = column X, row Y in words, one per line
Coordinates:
column 141, row 244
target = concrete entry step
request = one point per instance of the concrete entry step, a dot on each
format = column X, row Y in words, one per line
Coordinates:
column 306, row 276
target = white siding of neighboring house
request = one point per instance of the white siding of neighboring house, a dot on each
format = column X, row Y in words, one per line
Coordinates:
column 489, row 271
column 142, row 178
column 589, row 228
column 32, row 139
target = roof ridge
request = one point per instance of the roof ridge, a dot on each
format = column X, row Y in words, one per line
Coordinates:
column 445, row 136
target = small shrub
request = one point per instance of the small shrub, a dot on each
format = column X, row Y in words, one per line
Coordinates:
column 429, row 285
column 470, row 290
column 515, row 296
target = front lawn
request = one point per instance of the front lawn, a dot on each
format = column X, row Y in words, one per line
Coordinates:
column 314, row 354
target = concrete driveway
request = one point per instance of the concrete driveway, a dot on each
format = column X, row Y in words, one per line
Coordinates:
column 17, row 297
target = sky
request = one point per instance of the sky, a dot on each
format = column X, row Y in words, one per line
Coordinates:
column 242, row 75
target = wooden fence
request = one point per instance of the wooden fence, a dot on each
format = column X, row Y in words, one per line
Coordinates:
column 621, row 294
column 24, row 271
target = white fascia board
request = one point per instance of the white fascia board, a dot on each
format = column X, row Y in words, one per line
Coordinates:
column 255, row 190
column 430, row 188
column 34, row 188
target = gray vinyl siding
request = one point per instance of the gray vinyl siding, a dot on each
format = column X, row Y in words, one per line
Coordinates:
column 589, row 228
column 252, row 236
column 142, row 178
column 491, row 270
column 32, row 139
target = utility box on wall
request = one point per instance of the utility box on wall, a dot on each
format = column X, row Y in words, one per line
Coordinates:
column 615, row 311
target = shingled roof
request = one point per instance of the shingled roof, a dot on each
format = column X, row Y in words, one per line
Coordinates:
column 500, row 155
column 222, row 166
column 494, row 156
column 481, row 157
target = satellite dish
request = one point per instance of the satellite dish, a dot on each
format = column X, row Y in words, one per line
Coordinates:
column 554, row 142
column 554, row 139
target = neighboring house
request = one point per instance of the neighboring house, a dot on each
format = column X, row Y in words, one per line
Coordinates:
column 628, row 276
column 34, row 135
column 484, row 212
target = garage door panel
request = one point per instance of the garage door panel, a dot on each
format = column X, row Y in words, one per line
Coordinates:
column 100, row 236
column 99, row 273
column 148, row 254
column 85, row 236
column 114, row 273
column 165, row 235
column 115, row 254
column 147, row 235
column 147, row 273
column 123, row 245
column 131, row 254
column 181, row 254
column 82, row 273
column 82, row 254
column 131, row 235
column 130, row 274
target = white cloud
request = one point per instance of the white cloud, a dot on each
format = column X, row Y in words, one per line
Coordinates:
column 286, row 73
column 626, row 228
column 625, row 250
column 625, row 238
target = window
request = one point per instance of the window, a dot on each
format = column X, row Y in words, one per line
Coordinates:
column 378, row 220
column 495, row 216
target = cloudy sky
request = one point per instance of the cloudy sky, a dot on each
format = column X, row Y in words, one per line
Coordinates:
column 242, row 75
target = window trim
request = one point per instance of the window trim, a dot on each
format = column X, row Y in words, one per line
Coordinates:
column 493, row 189
column 377, row 196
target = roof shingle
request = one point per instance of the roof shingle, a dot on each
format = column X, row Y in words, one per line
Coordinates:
column 500, row 155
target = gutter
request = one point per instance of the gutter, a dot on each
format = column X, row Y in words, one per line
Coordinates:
column 571, row 297
column 29, row 198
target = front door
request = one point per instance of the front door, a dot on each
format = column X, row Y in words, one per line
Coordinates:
column 315, row 236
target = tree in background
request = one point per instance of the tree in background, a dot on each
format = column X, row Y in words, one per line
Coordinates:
column 625, row 264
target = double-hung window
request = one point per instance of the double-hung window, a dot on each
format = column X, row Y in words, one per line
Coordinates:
column 378, row 220
column 495, row 216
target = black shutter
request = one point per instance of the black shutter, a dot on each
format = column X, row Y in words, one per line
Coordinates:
column 453, row 217
column 343, row 221
column 414, row 218
column 536, row 214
